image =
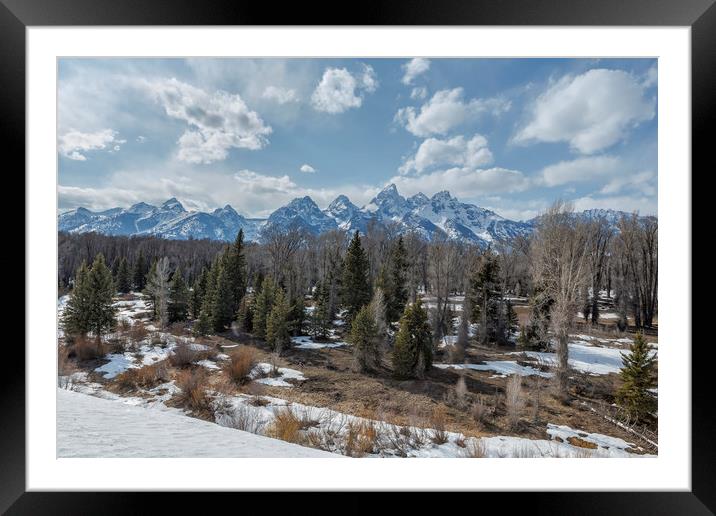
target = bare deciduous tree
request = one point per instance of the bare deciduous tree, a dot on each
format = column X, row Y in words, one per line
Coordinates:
column 158, row 288
column 560, row 268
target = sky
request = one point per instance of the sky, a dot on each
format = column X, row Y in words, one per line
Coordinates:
column 510, row 135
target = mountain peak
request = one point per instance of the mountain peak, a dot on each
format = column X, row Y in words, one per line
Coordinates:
column 173, row 204
column 442, row 195
column 340, row 202
column 303, row 202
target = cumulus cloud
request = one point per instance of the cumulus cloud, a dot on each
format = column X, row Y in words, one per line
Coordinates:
column 339, row 90
column 413, row 68
column 141, row 139
column 456, row 151
column 75, row 144
column 591, row 111
column 280, row 95
column 218, row 121
column 307, row 169
column 580, row 170
column 446, row 110
column 464, row 182
column 644, row 182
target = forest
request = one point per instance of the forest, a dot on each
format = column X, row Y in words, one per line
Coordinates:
column 480, row 341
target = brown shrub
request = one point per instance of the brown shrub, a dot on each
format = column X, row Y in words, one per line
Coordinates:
column 514, row 400
column 475, row 449
column 144, row 377
column 240, row 364
column 86, row 348
column 438, row 420
column 193, row 391
column 480, row 410
column 361, row 438
column 286, row 426
column 138, row 332
column 182, row 356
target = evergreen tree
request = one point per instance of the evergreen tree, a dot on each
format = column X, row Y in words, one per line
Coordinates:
column 364, row 337
column 235, row 265
column 513, row 322
column 197, row 292
column 207, row 302
column 148, row 289
column 486, row 298
column 638, row 376
column 139, row 273
column 397, row 295
column 115, row 269
column 262, row 306
column 297, row 316
column 244, row 316
column 320, row 319
column 413, row 351
column 222, row 304
column 178, row 298
column 356, row 286
column 277, row 325
column 124, row 281
column 203, row 325
column 102, row 312
column 75, row 319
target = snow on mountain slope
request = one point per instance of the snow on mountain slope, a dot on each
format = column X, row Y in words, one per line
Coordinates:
column 93, row 427
column 440, row 214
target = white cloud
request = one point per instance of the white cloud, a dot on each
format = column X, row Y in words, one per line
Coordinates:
column 307, row 169
column 141, row 139
column 75, row 144
column 339, row 90
column 280, row 95
column 217, row 121
column 651, row 77
column 644, row 182
column 456, row 151
column 580, row 170
column 413, row 68
column 464, row 182
column 445, row 111
column 591, row 111
column 419, row 93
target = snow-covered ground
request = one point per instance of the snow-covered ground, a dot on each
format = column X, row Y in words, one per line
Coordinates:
column 88, row 426
column 501, row 367
column 585, row 357
column 306, row 342
column 284, row 374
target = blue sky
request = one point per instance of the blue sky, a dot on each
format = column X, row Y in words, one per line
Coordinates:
column 511, row 135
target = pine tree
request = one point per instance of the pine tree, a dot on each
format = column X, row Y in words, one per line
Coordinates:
column 413, row 351
column 102, row 312
column 235, row 265
column 178, row 298
column 262, row 306
column 356, row 286
column 207, row 303
column 75, row 319
column 124, row 281
column 222, row 304
column 139, row 273
column 486, row 297
column 320, row 319
column 203, row 325
column 638, row 376
column 364, row 337
column 297, row 316
column 197, row 292
column 397, row 297
column 511, row 319
column 244, row 316
column 277, row 325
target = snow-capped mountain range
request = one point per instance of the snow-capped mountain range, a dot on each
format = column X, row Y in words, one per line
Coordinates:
column 442, row 214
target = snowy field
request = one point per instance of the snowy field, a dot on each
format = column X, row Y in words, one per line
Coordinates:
column 88, row 426
column 503, row 368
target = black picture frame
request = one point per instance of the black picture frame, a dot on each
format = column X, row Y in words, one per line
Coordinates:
column 700, row 15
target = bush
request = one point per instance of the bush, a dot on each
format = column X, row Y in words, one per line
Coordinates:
column 438, row 421
column 475, row 449
column 285, row 426
column 480, row 410
column 183, row 356
column 85, row 348
column 144, row 377
column 361, row 438
column 240, row 365
column 193, row 391
column 241, row 418
column 514, row 400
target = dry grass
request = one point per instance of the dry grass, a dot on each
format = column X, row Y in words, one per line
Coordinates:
column 286, row 426
column 86, row 348
column 137, row 332
column 193, row 391
column 241, row 418
column 438, row 421
column 475, row 449
column 242, row 362
column 183, row 356
column 481, row 410
column 361, row 438
column 514, row 400
column 144, row 377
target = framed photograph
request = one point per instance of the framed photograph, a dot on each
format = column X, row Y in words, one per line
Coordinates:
column 261, row 253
